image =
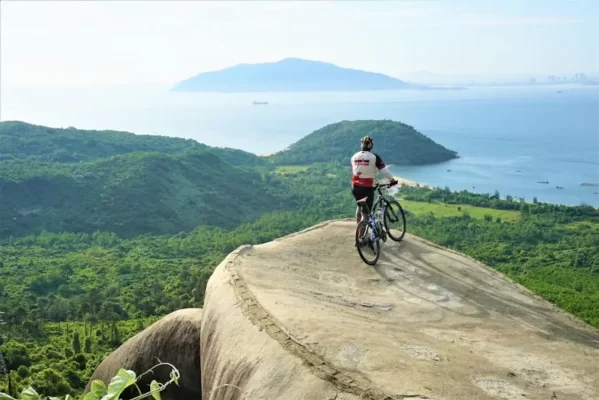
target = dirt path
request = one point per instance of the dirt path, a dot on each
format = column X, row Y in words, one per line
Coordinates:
column 303, row 318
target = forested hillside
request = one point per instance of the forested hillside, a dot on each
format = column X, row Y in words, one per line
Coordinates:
column 82, row 181
column 395, row 142
column 21, row 140
column 134, row 193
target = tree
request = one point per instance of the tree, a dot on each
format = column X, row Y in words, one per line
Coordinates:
column 87, row 345
column 76, row 343
column 51, row 383
column 23, row 371
column 12, row 391
column 115, row 337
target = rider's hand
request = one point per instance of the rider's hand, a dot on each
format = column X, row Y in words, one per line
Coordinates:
column 393, row 182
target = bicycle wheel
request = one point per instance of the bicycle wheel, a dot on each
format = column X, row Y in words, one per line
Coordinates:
column 368, row 246
column 395, row 220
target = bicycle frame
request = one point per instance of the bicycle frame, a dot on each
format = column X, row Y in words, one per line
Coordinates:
column 377, row 209
column 372, row 224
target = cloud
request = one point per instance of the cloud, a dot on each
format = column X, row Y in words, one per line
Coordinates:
column 400, row 13
column 500, row 20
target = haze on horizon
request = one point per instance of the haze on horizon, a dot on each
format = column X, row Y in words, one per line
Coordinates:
column 70, row 43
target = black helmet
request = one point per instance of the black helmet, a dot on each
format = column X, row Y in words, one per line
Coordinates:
column 366, row 143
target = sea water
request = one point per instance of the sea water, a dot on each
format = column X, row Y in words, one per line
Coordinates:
column 508, row 138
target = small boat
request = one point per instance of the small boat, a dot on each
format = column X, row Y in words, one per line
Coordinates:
column 559, row 187
column 257, row 103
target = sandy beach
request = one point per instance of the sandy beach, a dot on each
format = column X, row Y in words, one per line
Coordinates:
column 407, row 182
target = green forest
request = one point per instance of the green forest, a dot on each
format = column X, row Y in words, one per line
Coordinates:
column 69, row 295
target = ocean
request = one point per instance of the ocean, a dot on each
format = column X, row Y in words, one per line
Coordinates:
column 508, row 138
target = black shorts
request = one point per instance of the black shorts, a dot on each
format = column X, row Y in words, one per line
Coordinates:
column 360, row 192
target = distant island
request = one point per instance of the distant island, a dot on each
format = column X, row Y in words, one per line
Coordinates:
column 397, row 143
column 292, row 74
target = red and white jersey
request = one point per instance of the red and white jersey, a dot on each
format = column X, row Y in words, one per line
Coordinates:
column 364, row 168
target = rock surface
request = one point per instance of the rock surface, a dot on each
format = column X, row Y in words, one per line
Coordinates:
column 303, row 318
column 175, row 339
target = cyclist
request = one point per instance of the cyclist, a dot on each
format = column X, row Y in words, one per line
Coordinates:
column 365, row 165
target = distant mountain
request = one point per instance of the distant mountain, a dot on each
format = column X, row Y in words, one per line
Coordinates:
column 290, row 74
column 395, row 142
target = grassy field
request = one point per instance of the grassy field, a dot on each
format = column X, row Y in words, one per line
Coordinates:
column 583, row 225
column 291, row 169
column 455, row 210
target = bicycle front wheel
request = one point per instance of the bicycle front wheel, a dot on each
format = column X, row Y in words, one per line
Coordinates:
column 395, row 220
column 368, row 249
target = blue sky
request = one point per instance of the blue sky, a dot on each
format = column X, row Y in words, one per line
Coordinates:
column 117, row 42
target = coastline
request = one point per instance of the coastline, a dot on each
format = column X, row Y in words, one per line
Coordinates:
column 407, row 182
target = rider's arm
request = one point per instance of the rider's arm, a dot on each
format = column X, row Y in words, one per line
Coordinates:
column 383, row 168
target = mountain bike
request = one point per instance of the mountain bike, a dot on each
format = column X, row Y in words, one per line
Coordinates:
column 385, row 209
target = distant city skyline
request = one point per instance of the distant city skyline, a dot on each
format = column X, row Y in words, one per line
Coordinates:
column 72, row 43
column 431, row 77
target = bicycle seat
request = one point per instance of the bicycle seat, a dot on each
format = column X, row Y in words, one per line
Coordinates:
column 362, row 201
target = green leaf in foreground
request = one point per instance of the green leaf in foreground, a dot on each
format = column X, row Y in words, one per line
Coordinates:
column 122, row 380
column 91, row 396
column 155, row 389
column 29, row 394
column 174, row 377
column 96, row 391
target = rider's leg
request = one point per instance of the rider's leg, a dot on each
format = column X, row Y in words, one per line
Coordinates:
column 370, row 202
column 364, row 218
column 357, row 196
column 360, row 193
column 361, row 216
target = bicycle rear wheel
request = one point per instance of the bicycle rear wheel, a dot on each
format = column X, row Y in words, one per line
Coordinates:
column 395, row 220
column 368, row 249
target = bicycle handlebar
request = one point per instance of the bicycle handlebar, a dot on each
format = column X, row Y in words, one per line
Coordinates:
column 388, row 185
